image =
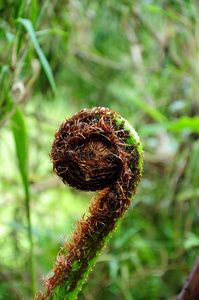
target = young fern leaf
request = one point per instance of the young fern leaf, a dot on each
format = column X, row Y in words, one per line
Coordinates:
column 94, row 150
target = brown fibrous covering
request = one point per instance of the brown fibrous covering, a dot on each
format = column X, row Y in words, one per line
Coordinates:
column 90, row 153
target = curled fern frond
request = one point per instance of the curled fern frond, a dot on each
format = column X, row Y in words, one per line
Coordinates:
column 94, row 150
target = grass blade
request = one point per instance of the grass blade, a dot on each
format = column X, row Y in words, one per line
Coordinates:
column 20, row 137
column 45, row 64
column 184, row 123
column 127, row 96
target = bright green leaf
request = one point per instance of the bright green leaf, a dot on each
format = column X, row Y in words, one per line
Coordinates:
column 183, row 123
column 189, row 123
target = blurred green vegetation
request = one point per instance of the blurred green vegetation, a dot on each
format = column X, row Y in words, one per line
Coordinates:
column 140, row 59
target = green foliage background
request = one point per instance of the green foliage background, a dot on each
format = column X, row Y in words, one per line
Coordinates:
column 140, row 58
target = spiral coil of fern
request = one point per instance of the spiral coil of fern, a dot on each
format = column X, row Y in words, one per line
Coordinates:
column 96, row 149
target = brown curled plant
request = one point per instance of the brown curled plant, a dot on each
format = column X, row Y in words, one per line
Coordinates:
column 95, row 150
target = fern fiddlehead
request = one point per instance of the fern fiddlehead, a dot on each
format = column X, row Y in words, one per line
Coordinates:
column 96, row 149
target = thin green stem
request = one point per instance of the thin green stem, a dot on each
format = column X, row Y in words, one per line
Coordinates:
column 31, row 252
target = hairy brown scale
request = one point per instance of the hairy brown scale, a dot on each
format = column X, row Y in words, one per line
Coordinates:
column 89, row 153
